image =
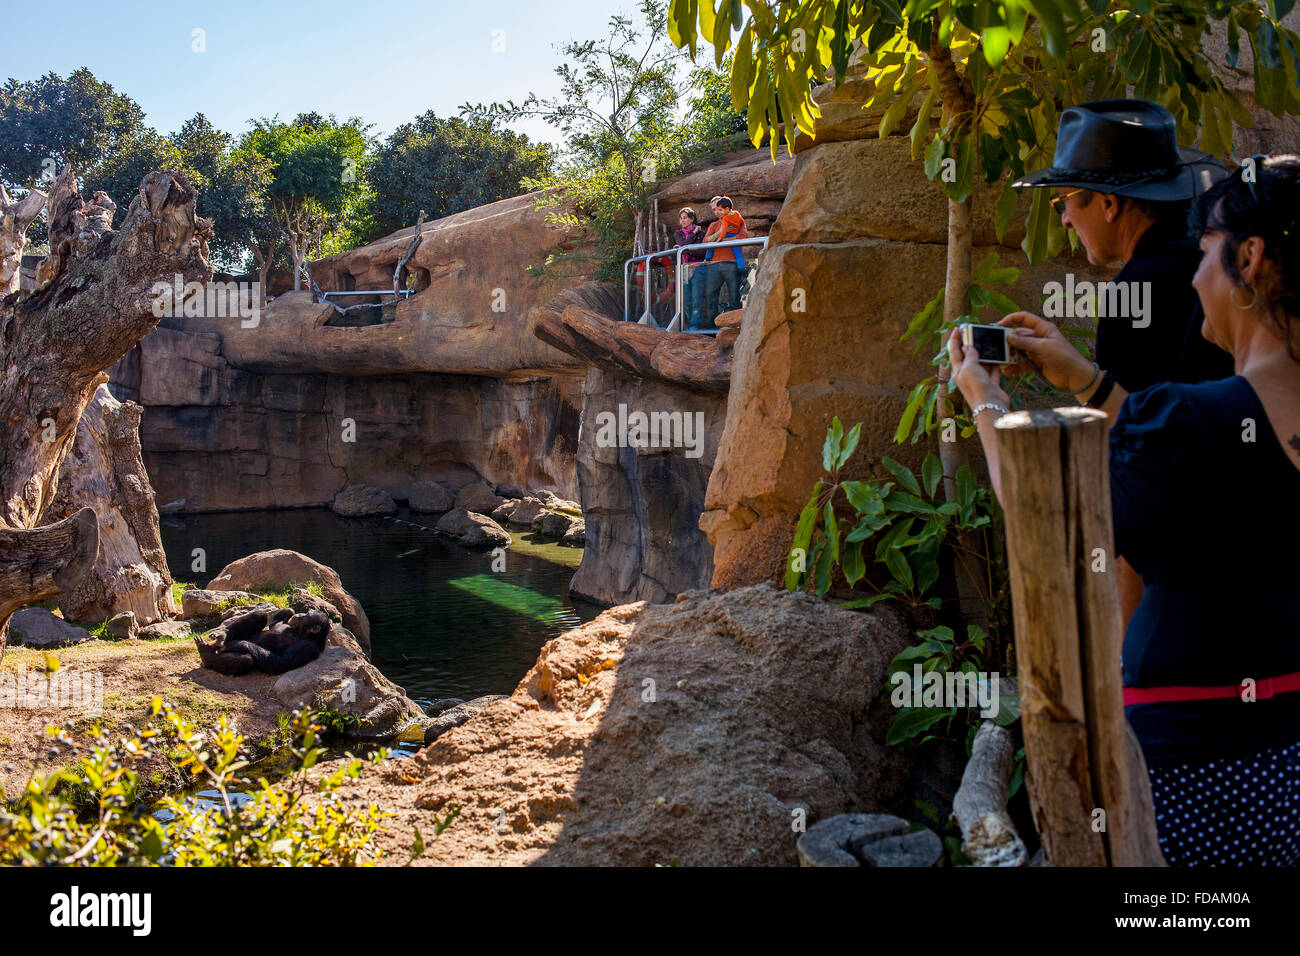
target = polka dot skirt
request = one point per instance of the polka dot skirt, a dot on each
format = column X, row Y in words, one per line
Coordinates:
column 1231, row 811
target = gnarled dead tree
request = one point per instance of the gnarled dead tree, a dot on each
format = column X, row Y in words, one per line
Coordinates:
column 94, row 300
column 15, row 217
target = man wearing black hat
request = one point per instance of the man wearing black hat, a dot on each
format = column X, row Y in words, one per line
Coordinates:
column 1124, row 186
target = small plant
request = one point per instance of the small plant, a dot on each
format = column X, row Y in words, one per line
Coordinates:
column 338, row 721
column 903, row 516
column 90, row 814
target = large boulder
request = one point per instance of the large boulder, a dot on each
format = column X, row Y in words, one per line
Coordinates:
column 479, row 498
column 430, row 496
column 361, row 501
column 555, row 524
column 473, row 530
column 37, row 627
column 456, row 715
column 342, row 680
column 280, row 568
column 523, row 513
column 203, row 603
column 700, row 732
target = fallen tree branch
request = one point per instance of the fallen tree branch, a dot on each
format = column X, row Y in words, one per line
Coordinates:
column 988, row 837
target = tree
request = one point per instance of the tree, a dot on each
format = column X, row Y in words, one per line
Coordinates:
column 94, row 301
column 617, row 109
column 52, row 122
column 318, row 169
column 233, row 187
column 445, row 166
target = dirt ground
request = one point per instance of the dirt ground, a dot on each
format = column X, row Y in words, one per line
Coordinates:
column 124, row 676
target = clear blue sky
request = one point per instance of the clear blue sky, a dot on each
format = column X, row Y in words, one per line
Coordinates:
column 386, row 62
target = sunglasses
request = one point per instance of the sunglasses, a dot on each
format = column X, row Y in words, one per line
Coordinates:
column 1058, row 201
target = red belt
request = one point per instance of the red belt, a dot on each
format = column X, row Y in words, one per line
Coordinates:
column 1265, row 688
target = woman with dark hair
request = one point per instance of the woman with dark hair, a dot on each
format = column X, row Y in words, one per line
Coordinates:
column 1204, row 481
column 690, row 233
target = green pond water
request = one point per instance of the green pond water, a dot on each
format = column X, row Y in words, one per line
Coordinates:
column 443, row 621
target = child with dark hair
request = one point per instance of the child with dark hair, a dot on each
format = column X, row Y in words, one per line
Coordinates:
column 726, row 266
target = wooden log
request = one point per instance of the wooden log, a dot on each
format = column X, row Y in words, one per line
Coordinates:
column 988, row 837
column 1087, row 782
column 36, row 564
column 575, row 322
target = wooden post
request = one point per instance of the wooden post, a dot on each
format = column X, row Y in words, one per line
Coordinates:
column 1081, row 755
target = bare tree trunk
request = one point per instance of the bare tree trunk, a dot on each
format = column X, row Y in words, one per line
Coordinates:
column 399, row 276
column 957, row 99
column 94, row 301
column 105, row 472
column 15, row 217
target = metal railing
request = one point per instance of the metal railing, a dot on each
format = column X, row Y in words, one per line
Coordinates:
column 404, row 293
column 647, row 314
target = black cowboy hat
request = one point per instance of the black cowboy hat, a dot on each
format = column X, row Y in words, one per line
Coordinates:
column 1128, row 148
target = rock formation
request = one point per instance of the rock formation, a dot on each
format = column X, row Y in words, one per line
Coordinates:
column 104, row 471
column 855, row 253
column 694, row 733
column 641, row 499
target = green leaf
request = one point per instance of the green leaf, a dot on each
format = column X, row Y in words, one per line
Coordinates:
column 995, row 42
column 822, row 575
column 1036, row 224
column 965, row 479
column 850, row 446
column 864, row 602
column 831, row 448
column 832, row 530
column 1053, row 25
column 899, row 568
column 802, row 537
column 853, row 565
column 912, row 722
column 933, row 157
column 865, row 498
column 931, row 473
column 922, row 125
column 742, row 69
column 1006, row 208
column 903, row 474
column 926, row 575
column 841, row 42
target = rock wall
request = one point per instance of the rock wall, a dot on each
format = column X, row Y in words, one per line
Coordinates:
column 857, row 250
column 642, row 504
column 217, row 437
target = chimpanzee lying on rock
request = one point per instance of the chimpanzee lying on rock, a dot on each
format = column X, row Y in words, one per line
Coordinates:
column 271, row 642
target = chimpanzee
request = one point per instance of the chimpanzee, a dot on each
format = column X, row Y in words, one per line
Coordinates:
column 269, row 642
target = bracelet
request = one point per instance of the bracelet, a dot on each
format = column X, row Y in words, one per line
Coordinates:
column 1103, row 391
column 1096, row 372
column 983, row 405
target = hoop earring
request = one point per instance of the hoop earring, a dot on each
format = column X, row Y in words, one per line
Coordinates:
column 1254, row 295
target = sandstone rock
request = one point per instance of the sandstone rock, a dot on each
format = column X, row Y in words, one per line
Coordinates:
column 478, row 497
column 121, row 627
column 104, row 471
column 502, row 512
column 764, row 701
column 514, row 491
column 918, row 848
column 553, row 524
column 37, row 627
column 164, row 629
column 431, row 497
column 358, row 501
column 642, row 506
column 576, row 536
column 457, row 715
column 342, row 679
column 793, row 372
column 201, row 603
column 726, row 320
column 279, row 568
column 553, row 501
column 524, row 513
column 473, row 530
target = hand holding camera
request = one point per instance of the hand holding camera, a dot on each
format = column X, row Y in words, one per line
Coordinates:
column 1047, row 351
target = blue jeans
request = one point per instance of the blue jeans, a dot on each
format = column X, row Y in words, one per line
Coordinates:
column 721, row 274
column 695, row 298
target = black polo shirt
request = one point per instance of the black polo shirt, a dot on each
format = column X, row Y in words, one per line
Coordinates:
column 1170, row 348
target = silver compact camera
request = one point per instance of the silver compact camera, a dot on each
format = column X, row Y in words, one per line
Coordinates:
column 990, row 340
